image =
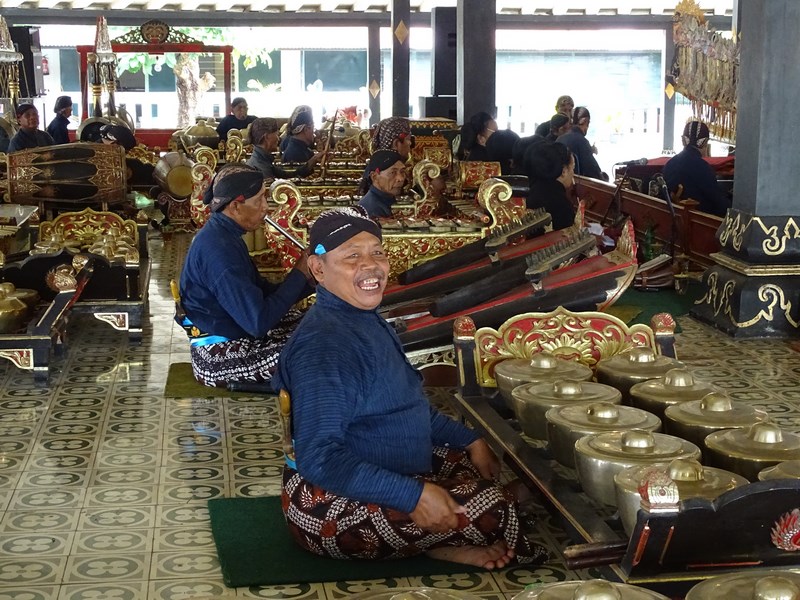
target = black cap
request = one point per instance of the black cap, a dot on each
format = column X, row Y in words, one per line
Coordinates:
column 334, row 227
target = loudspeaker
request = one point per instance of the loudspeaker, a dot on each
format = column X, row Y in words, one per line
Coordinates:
column 438, row 106
column 31, row 78
column 443, row 53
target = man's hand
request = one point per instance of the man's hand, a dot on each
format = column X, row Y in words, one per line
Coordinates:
column 316, row 158
column 436, row 510
column 484, row 459
column 302, row 266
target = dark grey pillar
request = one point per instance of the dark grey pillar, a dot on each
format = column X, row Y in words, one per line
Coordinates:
column 669, row 103
column 401, row 56
column 754, row 290
column 476, row 65
column 374, row 83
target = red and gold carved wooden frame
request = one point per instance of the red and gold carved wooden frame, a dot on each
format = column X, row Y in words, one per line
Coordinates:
column 281, row 254
column 587, row 337
column 85, row 226
column 472, row 173
column 203, row 171
column 495, row 197
column 425, row 171
column 406, row 250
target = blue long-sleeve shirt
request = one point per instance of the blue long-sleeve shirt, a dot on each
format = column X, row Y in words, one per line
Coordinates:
column 362, row 424
column 296, row 151
column 263, row 161
column 377, row 203
column 698, row 179
column 222, row 291
column 23, row 140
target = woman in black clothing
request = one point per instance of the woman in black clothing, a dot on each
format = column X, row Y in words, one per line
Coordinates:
column 551, row 172
column 474, row 135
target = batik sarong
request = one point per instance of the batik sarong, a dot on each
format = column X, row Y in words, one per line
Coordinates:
column 243, row 360
column 333, row 526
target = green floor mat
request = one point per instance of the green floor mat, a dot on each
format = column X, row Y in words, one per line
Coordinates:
column 254, row 548
column 182, row 384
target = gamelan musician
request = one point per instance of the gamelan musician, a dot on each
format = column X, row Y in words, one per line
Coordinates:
column 239, row 320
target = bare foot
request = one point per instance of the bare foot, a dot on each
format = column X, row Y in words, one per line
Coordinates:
column 496, row 556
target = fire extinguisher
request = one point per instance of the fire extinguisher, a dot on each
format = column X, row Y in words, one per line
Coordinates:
column 45, row 66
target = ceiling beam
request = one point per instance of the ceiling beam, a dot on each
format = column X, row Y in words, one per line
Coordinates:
column 216, row 18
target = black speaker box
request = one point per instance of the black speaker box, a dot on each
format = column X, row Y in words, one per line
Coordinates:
column 31, row 78
column 443, row 53
column 438, row 106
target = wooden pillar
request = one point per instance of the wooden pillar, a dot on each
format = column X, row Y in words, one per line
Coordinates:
column 476, row 68
column 669, row 103
column 401, row 56
column 374, row 83
column 754, row 290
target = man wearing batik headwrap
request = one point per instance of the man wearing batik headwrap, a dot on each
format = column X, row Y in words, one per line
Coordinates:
column 393, row 133
column 383, row 181
column 377, row 472
column 689, row 169
column 240, row 319
column 264, row 137
column 297, row 147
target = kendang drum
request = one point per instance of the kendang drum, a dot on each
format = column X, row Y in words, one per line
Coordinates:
column 70, row 173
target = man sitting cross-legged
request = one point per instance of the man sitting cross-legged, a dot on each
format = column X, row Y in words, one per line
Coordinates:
column 379, row 473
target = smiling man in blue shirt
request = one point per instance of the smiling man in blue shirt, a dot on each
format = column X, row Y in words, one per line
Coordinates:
column 379, row 473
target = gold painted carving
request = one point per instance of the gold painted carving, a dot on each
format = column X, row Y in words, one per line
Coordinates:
column 22, row 357
column 471, row 173
column 770, row 294
column 425, row 172
column 202, row 174
column 495, row 196
column 87, row 225
column 118, row 321
column 143, row 155
column 587, row 337
column 775, row 245
column 733, row 229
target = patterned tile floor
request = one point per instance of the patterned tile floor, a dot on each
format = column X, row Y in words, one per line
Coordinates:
column 104, row 482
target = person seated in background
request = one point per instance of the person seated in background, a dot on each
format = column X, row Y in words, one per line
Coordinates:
column 378, row 472
column 689, row 169
column 241, row 320
column 564, row 106
column 394, row 133
column 382, row 183
column 297, row 146
column 474, row 135
column 58, row 126
column 559, row 125
column 119, row 135
column 500, row 148
column 264, row 136
column 238, row 119
column 551, row 173
column 29, row 134
column 575, row 140
column 520, row 150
